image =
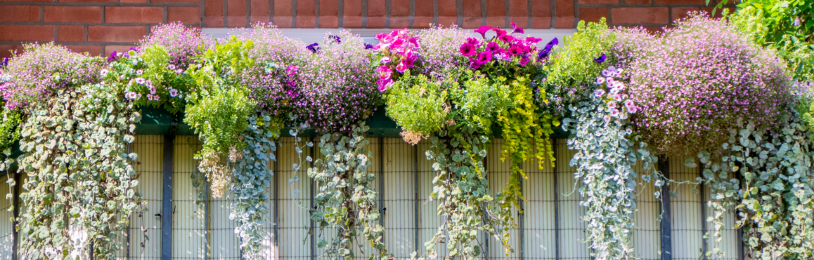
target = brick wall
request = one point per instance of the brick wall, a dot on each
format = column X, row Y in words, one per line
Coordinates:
column 93, row 26
column 104, row 26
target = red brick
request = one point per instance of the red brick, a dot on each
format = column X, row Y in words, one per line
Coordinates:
column 85, row 1
column 472, row 14
column 259, row 12
column 175, row 1
column 375, row 14
column 681, row 12
column 283, row 16
column 191, row 14
column 639, row 15
column 638, row 2
column 447, row 12
column 25, row 1
column 399, row 14
column 594, row 2
column 496, row 13
column 592, row 14
column 236, row 13
column 117, row 48
column 29, row 33
column 116, row 33
column 700, row 2
column 133, row 14
column 328, row 14
column 565, row 14
column 20, row 13
column 423, row 15
column 541, row 14
column 352, row 14
column 5, row 50
column 93, row 50
column 73, row 14
column 518, row 13
column 71, row 33
column 306, row 13
column 213, row 21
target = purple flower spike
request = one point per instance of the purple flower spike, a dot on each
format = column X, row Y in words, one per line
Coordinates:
column 5, row 62
column 601, row 59
column 483, row 30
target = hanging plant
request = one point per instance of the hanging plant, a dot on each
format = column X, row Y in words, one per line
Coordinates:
column 346, row 198
column 80, row 179
column 767, row 177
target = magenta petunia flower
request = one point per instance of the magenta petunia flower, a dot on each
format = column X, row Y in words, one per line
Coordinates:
column 494, row 47
column 516, row 29
column 473, row 41
column 401, row 67
column 506, row 38
column 523, row 61
column 499, row 31
column 515, row 50
column 484, row 57
column 291, row 70
column 474, row 64
column 113, row 57
column 384, row 84
column 468, row 49
column 532, row 40
column 483, row 30
column 384, row 72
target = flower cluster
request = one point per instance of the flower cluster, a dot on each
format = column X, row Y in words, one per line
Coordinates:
column 181, row 42
column 274, row 79
column 43, row 69
column 148, row 78
column 503, row 47
column 399, row 51
column 338, row 85
column 696, row 81
column 619, row 104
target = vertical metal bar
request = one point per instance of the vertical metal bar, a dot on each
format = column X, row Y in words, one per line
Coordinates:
column 382, row 209
column 556, row 202
column 312, row 230
column 276, row 180
column 166, row 202
column 666, row 225
column 703, row 217
column 485, row 214
column 415, row 194
column 16, row 212
column 129, row 218
column 208, row 219
column 521, row 219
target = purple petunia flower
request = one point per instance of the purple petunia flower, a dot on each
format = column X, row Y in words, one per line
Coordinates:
column 468, row 49
column 368, row 46
column 506, row 38
column 314, row 47
column 601, row 59
column 483, row 30
column 548, row 47
column 335, row 38
column 5, row 63
column 293, row 94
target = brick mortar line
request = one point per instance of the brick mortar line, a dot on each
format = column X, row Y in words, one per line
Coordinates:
column 459, row 11
column 44, row 4
column 411, row 18
column 248, row 13
column 387, row 7
column 87, row 24
column 553, row 13
column 364, row 13
column 530, row 13
column 225, row 13
column 293, row 13
column 271, row 11
column 202, row 16
column 435, row 14
column 641, row 6
column 483, row 12
column 316, row 13
column 507, row 6
column 340, row 13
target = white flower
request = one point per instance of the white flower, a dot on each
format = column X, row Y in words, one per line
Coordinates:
column 614, row 112
column 152, row 89
column 600, row 80
column 104, row 72
column 599, row 93
column 612, row 104
column 139, row 72
column 629, row 130
column 607, row 73
column 617, row 97
column 612, row 69
column 173, row 92
column 171, row 67
column 622, row 116
column 140, row 81
column 607, row 118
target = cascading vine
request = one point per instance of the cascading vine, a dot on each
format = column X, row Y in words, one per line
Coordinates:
column 249, row 182
column 346, row 199
column 607, row 149
column 772, row 193
column 80, row 178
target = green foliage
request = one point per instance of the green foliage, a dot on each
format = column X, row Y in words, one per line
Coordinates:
column 606, row 154
column 345, row 199
column 149, row 79
column 80, row 179
column 418, row 104
column 767, row 176
column 250, row 179
column 218, row 106
column 9, row 127
column 571, row 72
